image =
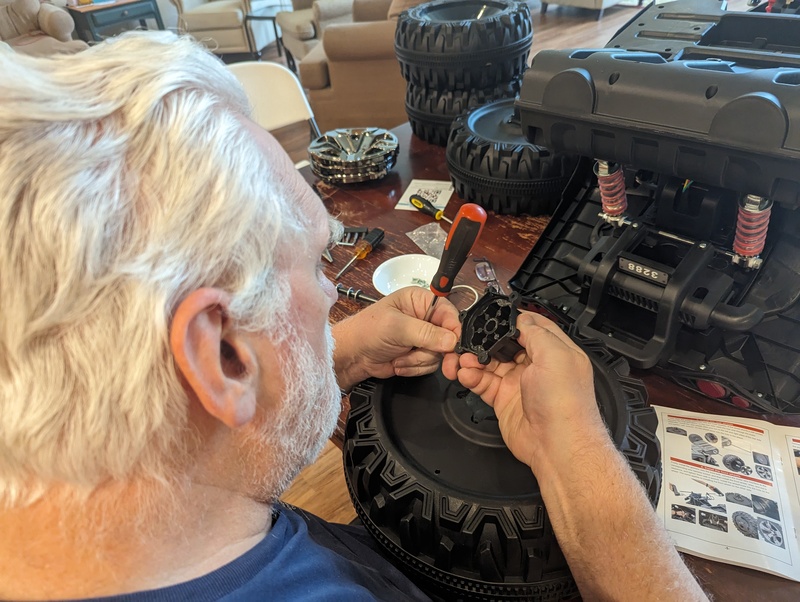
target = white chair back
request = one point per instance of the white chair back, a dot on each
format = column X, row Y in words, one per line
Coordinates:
column 275, row 94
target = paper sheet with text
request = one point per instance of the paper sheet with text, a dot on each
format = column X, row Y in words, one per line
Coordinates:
column 731, row 489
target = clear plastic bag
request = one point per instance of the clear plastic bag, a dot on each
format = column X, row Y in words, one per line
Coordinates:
column 430, row 238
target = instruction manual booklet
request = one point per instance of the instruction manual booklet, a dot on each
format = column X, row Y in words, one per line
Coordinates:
column 731, row 489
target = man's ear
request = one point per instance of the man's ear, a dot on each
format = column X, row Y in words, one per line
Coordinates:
column 217, row 362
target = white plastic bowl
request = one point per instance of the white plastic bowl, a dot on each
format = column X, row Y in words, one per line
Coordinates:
column 404, row 270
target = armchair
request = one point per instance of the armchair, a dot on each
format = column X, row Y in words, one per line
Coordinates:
column 221, row 25
column 353, row 77
column 302, row 28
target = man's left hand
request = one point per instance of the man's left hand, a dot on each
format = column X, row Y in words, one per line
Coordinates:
column 390, row 338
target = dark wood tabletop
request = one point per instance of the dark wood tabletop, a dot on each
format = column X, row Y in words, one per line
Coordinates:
column 506, row 241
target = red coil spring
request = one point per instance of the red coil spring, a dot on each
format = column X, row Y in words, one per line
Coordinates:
column 612, row 192
column 751, row 231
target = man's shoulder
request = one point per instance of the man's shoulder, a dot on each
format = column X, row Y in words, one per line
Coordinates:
column 304, row 557
column 318, row 558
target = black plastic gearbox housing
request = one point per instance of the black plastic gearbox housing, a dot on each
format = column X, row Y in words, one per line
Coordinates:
column 489, row 328
column 701, row 110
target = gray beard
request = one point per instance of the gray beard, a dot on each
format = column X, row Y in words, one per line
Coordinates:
column 305, row 421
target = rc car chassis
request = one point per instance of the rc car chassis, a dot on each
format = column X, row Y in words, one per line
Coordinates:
column 676, row 241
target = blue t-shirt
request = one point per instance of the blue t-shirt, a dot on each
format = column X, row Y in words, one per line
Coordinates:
column 302, row 558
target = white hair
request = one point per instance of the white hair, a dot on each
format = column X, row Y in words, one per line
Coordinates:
column 127, row 180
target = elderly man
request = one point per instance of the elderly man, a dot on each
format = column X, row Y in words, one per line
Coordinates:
column 166, row 364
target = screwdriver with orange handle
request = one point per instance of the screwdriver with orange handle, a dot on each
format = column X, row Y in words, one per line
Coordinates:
column 465, row 230
column 363, row 248
column 425, row 206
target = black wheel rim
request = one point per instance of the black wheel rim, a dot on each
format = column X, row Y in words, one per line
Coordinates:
column 497, row 122
column 452, row 438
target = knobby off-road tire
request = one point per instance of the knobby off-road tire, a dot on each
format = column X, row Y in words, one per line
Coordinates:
column 492, row 163
column 463, row 44
column 432, row 481
column 747, row 524
column 431, row 112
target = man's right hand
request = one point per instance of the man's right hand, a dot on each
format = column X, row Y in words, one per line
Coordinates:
column 544, row 398
column 616, row 546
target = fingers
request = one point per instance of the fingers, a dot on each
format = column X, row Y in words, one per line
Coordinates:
column 445, row 315
column 416, row 363
column 431, row 337
column 468, row 360
column 471, row 377
column 411, row 300
column 413, row 332
column 411, row 304
column 485, row 380
column 481, row 382
column 414, row 301
column 450, row 366
column 555, row 356
column 528, row 319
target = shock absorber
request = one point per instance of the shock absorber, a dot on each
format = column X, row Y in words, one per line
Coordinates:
column 611, row 182
column 751, row 230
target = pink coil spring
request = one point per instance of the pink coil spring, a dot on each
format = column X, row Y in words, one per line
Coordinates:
column 751, row 231
column 612, row 190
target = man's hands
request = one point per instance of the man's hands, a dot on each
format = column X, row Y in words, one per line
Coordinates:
column 390, row 338
column 543, row 398
column 548, row 416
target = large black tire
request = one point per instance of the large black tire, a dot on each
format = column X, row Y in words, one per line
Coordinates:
column 431, row 112
column 492, row 163
column 432, row 481
column 463, row 44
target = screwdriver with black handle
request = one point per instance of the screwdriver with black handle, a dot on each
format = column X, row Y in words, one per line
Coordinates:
column 363, row 248
column 465, row 230
column 425, row 206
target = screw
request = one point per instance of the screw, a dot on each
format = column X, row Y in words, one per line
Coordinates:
column 702, row 245
column 759, row 394
column 754, row 203
column 634, row 225
column 602, row 168
column 702, row 367
column 564, row 308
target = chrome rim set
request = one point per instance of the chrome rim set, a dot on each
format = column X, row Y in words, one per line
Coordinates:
column 351, row 155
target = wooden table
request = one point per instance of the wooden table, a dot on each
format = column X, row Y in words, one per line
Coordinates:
column 90, row 18
column 506, row 241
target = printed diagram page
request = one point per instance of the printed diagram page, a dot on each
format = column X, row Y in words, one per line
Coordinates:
column 724, row 494
column 791, row 468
